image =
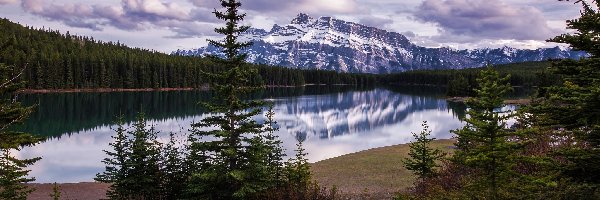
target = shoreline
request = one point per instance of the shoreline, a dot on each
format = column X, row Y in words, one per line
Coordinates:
column 104, row 90
column 507, row 101
column 352, row 174
column 107, row 90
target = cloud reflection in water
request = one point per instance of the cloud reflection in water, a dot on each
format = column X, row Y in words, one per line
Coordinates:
column 331, row 125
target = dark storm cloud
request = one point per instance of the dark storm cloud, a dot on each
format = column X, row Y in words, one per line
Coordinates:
column 485, row 19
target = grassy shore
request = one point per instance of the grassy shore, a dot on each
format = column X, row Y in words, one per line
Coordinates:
column 372, row 174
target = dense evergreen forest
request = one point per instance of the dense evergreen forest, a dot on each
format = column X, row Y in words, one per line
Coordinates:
column 461, row 82
column 521, row 74
column 65, row 61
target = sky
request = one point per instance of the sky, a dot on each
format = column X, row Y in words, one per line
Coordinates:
column 166, row 26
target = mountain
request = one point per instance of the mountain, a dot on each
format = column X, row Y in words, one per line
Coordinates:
column 332, row 44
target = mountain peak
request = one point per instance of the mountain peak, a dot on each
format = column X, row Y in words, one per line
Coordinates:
column 330, row 44
column 302, row 18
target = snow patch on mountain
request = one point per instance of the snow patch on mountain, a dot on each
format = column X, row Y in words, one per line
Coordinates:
column 332, row 44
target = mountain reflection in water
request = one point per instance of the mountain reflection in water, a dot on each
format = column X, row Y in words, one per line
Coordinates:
column 330, row 121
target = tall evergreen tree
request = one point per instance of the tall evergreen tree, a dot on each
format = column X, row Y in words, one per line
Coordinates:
column 133, row 166
column 423, row 158
column 116, row 168
column 143, row 166
column 484, row 143
column 571, row 110
column 298, row 170
column 13, row 174
column 173, row 169
column 229, row 164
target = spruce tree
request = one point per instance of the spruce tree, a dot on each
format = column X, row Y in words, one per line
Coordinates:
column 423, row 158
column 298, row 170
column 13, row 174
column 174, row 170
column 459, row 86
column 133, row 166
column 116, row 169
column 143, row 167
column 55, row 195
column 485, row 144
column 570, row 110
column 227, row 149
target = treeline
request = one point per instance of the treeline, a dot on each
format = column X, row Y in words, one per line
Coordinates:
column 281, row 76
column 521, row 74
column 64, row 61
column 461, row 82
column 552, row 149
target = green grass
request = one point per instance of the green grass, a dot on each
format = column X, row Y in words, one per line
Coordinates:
column 377, row 173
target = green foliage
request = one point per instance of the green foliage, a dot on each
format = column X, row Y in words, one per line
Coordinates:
column 423, row 158
column 133, row 167
column 65, row 61
column 174, row 172
column 143, row 167
column 570, row 110
column 55, row 195
column 459, row 87
column 235, row 162
column 116, row 170
column 484, row 143
column 13, row 174
column 298, row 169
column 461, row 82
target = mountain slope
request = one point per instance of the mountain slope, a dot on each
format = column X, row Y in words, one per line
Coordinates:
column 332, row 44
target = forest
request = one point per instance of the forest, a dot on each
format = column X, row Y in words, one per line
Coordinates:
column 551, row 151
column 64, row 61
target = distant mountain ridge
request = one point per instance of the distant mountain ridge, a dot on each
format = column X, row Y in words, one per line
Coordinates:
column 333, row 44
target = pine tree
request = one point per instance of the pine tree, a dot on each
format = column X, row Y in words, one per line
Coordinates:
column 459, row 87
column 132, row 168
column 274, row 151
column 12, row 172
column 570, row 110
column 484, row 143
column 143, row 167
column 227, row 165
column 55, row 195
column 423, row 158
column 173, row 169
column 298, row 169
column 116, row 170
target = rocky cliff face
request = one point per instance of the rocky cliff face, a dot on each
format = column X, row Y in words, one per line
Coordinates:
column 332, row 44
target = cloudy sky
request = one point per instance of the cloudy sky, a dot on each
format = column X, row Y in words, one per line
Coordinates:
column 184, row 24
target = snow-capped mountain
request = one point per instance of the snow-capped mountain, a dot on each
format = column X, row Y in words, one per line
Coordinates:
column 332, row 44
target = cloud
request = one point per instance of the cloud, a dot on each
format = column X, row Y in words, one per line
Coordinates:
column 2, row 2
column 290, row 7
column 377, row 22
column 152, row 10
column 485, row 19
column 129, row 15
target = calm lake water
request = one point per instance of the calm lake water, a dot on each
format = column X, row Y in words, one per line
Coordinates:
column 332, row 121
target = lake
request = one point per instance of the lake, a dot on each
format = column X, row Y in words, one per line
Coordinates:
column 332, row 121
